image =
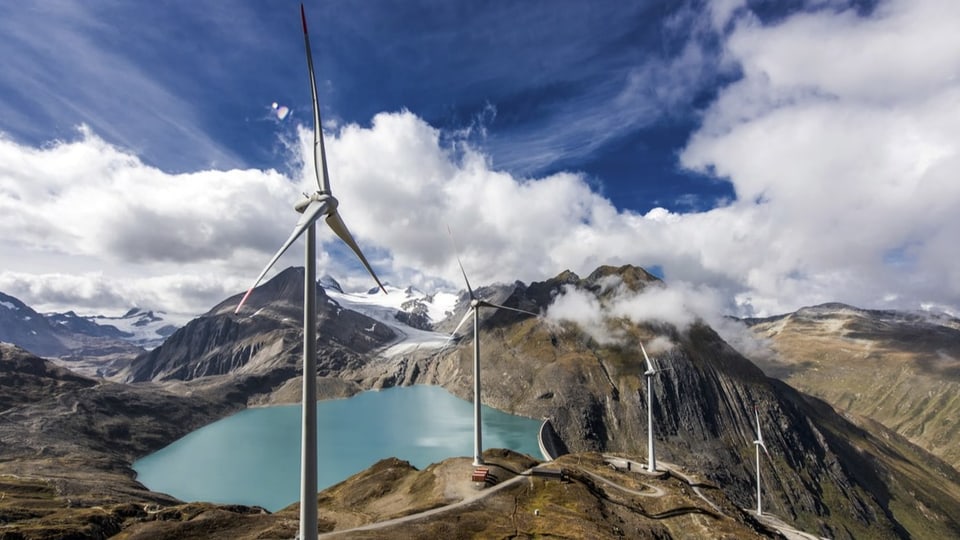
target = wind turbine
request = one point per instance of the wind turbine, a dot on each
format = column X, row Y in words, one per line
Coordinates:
column 758, row 443
column 474, row 311
column 648, row 374
column 320, row 203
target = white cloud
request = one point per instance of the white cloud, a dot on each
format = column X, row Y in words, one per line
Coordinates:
column 583, row 309
column 904, row 48
column 841, row 145
column 85, row 222
column 680, row 304
column 845, row 192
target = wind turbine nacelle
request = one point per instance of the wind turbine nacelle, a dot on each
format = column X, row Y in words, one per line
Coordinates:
column 332, row 202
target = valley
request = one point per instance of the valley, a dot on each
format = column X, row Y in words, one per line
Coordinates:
column 69, row 440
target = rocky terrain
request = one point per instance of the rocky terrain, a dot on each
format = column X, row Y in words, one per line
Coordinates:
column 900, row 369
column 392, row 499
column 831, row 475
column 68, row 441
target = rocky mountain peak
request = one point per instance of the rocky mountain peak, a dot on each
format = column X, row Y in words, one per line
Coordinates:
column 82, row 325
column 264, row 338
column 328, row 282
column 633, row 277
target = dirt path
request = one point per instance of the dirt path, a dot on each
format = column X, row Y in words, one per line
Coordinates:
column 436, row 511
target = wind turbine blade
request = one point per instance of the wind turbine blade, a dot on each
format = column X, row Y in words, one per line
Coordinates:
column 462, row 271
column 647, row 358
column 499, row 306
column 340, row 228
column 293, row 237
column 319, row 153
column 462, row 322
column 310, row 214
column 760, row 442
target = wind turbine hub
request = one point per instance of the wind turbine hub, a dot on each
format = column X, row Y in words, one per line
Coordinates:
column 317, row 196
column 474, row 302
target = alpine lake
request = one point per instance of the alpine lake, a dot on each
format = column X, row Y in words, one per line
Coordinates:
column 253, row 457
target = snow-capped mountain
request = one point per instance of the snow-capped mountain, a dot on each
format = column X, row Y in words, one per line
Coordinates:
column 66, row 338
column 143, row 328
column 410, row 312
column 84, row 325
column 264, row 340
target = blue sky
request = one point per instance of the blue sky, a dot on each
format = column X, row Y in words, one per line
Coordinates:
column 753, row 150
column 545, row 86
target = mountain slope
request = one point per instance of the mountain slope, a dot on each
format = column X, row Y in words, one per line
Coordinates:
column 265, row 337
column 900, row 369
column 79, row 435
column 828, row 475
column 24, row 327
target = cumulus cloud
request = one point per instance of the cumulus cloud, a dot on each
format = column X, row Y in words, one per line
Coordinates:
column 680, row 304
column 844, row 177
column 179, row 297
column 841, row 147
column 87, row 225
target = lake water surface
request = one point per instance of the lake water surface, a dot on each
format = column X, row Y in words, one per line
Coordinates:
column 253, row 457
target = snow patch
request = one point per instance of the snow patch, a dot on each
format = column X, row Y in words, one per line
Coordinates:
column 148, row 328
column 9, row 305
column 384, row 307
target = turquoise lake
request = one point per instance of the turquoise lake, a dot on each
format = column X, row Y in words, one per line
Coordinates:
column 253, row 457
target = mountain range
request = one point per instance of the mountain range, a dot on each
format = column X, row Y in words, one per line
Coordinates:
column 833, row 475
column 95, row 345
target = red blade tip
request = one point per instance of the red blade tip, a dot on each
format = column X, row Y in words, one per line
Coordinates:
column 242, row 301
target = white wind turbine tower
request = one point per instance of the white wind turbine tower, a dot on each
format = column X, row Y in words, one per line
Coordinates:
column 474, row 311
column 758, row 443
column 321, row 203
column 648, row 374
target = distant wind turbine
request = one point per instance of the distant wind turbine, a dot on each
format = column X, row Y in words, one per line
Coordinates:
column 474, row 311
column 648, row 374
column 758, row 443
column 320, row 203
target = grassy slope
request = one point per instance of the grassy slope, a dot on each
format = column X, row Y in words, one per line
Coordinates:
column 910, row 383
